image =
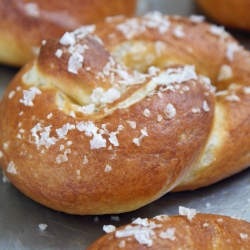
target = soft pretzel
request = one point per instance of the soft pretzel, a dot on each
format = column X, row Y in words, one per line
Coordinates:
column 24, row 24
column 187, row 231
column 231, row 13
column 112, row 116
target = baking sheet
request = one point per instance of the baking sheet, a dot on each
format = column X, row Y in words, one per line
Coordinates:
column 20, row 216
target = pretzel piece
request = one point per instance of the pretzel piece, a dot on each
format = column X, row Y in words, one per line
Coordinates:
column 112, row 116
column 200, row 231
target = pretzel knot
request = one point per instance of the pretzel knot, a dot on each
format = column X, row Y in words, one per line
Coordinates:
column 112, row 116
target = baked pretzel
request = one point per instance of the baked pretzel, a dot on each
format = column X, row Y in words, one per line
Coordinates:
column 187, row 231
column 24, row 24
column 231, row 13
column 112, row 116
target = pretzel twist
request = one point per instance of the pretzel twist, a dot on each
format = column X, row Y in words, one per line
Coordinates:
column 24, row 24
column 200, row 231
column 113, row 116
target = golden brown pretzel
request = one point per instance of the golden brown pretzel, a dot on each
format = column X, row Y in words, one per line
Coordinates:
column 24, row 24
column 112, row 116
column 194, row 231
column 231, row 13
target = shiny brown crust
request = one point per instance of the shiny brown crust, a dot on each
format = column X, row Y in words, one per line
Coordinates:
column 203, row 231
column 231, row 13
column 24, row 24
column 102, row 139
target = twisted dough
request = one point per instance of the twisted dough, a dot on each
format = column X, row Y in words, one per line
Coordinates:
column 231, row 13
column 194, row 231
column 113, row 116
column 24, row 24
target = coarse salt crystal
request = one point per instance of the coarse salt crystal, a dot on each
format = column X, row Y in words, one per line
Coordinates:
column 246, row 90
column 68, row 39
column 109, row 228
column 32, row 9
column 42, row 226
column 233, row 98
column 75, row 62
column 11, row 94
column 205, row 106
column 232, row 47
column 225, row 73
column 29, row 95
column 197, row 18
column 189, row 212
column 88, row 109
column 168, row 234
column 170, row 111
column 11, row 168
column 244, row 236
column 196, row 110
column 132, row 124
column 108, row 168
column 59, row 53
column 178, row 31
column 146, row 112
column 49, row 116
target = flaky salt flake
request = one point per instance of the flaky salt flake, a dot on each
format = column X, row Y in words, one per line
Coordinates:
column 244, row 236
column 138, row 141
column 97, row 142
column 205, row 224
column 75, row 62
column 176, row 75
column 109, row 228
column 63, row 131
column 233, row 98
column 205, row 106
column 87, row 109
column 225, row 73
column 11, row 168
column 170, row 111
column 113, row 139
column 42, row 226
column 68, row 39
column 189, row 212
column 29, row 95
column 110, row 96
column 168, row 234
column 141, row 234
